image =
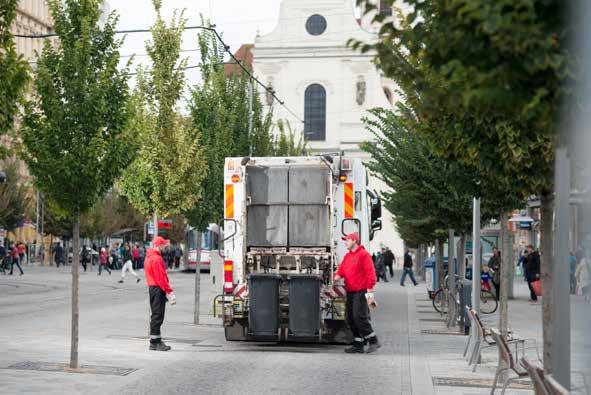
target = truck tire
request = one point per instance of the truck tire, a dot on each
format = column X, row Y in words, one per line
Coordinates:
column 237, row 331
column 338, row 332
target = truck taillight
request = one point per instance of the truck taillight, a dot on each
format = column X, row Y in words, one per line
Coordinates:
column 228, row 276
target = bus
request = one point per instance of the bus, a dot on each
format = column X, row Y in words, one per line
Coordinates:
column 210, row 244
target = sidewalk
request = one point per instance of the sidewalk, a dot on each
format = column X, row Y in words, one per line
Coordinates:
column 437, row 351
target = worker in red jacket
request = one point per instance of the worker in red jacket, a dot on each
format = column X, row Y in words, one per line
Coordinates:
column 160, row 291
column 360, row 277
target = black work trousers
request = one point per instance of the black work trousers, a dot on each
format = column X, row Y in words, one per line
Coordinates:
column 157, row 305
column 101, row 266
column 390, row 268
column 358, row 316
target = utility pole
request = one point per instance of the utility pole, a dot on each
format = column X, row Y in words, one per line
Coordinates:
column 250, row 98
column 476, row 256
column 561, row 344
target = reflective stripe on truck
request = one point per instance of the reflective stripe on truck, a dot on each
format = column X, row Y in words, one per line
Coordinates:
column 229, row 198
column 349, row 202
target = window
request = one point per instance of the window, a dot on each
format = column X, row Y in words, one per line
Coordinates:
column 386, row 7
column 315, row 113
column 316, row 25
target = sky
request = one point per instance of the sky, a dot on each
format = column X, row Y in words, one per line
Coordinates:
column 237, row 20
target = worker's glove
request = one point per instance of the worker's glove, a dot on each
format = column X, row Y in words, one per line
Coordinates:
column 171, row 298
column 371, row 301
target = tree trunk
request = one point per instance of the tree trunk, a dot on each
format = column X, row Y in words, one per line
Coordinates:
column 504, row 278
column 439, row 263
column 546, row 247
column 197, row 279
column 155, row 219
column 75, row 310
column 462, row 257
column 450, row 262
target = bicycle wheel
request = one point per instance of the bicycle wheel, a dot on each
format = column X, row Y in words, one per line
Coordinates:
column 439, row 302
column 488, row 302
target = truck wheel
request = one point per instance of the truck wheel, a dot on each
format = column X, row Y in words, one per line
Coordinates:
column 236, row 332
column 338, row 333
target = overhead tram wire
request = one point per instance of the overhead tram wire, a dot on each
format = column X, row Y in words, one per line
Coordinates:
column 218, row 36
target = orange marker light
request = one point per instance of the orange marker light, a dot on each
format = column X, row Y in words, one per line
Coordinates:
column 342, row 178
column 235, row 178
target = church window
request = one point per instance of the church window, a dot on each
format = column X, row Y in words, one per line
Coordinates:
column 315, row 113
column 316, row 25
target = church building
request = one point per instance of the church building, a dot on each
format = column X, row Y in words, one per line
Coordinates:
column 328, row 85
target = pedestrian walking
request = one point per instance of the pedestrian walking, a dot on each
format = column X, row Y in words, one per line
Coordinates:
column 15, row 260
column 104, row 261
column 22, row 250
column 115, row 256
column 380, row 268
column 358, row 272
column 58, row 254
column 532, row 271
column 135, row 255
column 407, row 269
column 142, row 256
column 389, row 260
column 178, row 253
column 128, row 265
column 494, row 264
column 85, row 257
column 159, row 290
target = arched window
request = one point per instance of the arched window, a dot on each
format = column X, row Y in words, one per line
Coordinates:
column 315, row 113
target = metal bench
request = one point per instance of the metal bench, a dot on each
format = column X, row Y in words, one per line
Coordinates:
column 507, row 364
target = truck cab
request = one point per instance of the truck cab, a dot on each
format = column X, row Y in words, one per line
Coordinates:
column 283, row 220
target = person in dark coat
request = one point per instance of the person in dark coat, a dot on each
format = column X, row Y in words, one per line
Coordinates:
column 532, row 271
column 380, row 268
column 494, row 264
column 389, row 260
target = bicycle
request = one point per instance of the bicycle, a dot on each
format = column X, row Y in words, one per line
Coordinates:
column 488, row 301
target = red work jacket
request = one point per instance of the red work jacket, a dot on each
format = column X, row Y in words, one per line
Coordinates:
column 155, row 271
column 357, row 270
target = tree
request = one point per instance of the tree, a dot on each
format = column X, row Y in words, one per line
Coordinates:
column 219, row 109
column 285, row 143
column 15, row 198
column 486, row 79
column 75, row 127
column 165, row 177
column 15, row 71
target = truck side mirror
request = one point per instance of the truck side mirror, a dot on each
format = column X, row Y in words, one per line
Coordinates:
column 376, row 209
column 376, row 225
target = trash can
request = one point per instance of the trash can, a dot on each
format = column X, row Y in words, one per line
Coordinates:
column 465, row 300
column 263, row 314
column 304, row 305
column 430, row 275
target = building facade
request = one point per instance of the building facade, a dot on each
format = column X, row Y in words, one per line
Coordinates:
column 33, row 17
column 329, row 86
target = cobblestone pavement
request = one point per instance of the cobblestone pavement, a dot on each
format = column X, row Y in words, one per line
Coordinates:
column 35, row 320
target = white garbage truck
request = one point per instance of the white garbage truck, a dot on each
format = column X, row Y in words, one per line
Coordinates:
column 283, row 222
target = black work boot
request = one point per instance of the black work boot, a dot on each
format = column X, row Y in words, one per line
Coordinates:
column 159, row 347
column 356, row 348
column 374, row 344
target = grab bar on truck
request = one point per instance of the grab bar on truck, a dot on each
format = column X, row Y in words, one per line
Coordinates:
column 356, row 220
column 222, row 222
